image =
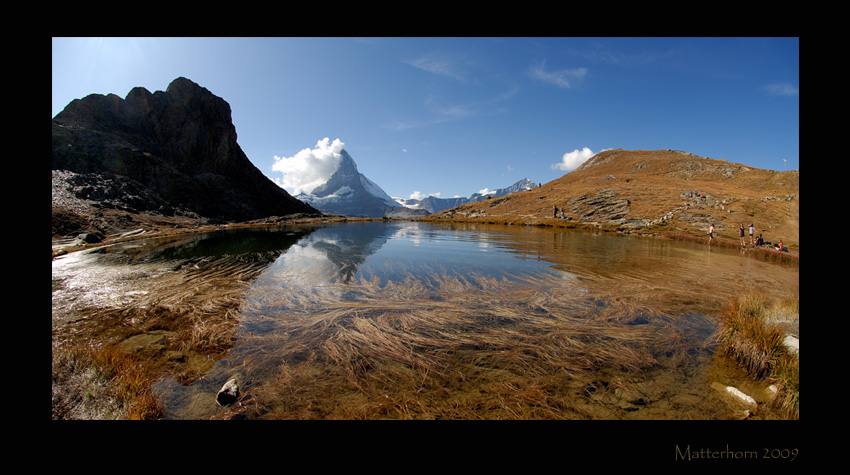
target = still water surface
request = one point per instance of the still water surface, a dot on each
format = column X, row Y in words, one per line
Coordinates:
column 417, row 320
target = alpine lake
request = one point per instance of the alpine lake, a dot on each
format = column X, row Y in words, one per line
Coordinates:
column 417, row 320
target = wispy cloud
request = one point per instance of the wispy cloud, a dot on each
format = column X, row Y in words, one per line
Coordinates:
column 441, row 64
column 564, row 78
column 781, row 89
column 469, row 74
column 602, row 53
column 400, row 125
column 448, row 112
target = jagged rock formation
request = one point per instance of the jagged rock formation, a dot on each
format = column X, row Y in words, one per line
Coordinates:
column 171, row 152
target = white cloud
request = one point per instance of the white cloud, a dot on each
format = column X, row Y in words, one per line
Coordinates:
column 309, row 168
column 571, row 160
column 565, row 78
column 781, row 89
column 416, row 195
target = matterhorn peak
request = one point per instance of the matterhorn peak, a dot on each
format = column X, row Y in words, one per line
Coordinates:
column 347, row 191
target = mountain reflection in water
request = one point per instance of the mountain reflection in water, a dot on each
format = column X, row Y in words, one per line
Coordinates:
column 416, row 320
column 395, row 250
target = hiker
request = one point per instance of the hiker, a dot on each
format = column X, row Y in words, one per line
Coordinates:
column 780, row 247
column 711, row 233
column 742, row 235
column 760, row 240
column 555, row 214
column 562, row 213
column 752, row 242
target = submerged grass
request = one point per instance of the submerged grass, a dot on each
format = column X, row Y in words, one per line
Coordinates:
column 433, row 345
column 195, row 307
column 444, row 347
column 748, row 334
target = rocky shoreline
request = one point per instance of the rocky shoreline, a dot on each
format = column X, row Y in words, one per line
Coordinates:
column 87, row 211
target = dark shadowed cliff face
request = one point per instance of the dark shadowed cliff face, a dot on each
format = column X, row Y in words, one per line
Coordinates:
column 179, row 144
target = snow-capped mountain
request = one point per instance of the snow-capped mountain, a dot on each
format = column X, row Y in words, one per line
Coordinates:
column 349, row 193
column 433, row 204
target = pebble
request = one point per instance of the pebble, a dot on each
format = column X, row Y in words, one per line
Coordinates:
column 228, row 394
column 737, row 393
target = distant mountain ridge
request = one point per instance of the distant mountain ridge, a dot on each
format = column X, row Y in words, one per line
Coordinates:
column 433, row 204
column 350, row 193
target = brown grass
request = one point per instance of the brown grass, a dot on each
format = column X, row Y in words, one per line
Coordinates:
column 102, row 383
column 198, row 305
column 653, row 181
column 746, row 334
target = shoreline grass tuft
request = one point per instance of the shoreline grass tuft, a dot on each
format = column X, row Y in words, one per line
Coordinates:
column 748, row 335
column 102, row 383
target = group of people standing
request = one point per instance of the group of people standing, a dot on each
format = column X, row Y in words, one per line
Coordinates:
column 744, row 241
column 754, row 241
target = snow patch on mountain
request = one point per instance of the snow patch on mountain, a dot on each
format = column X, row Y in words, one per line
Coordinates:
column 376, row 191
column 433, row 204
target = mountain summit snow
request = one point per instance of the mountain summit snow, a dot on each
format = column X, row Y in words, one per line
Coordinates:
column 432, row 204
column 348, row 192
column 326, row 177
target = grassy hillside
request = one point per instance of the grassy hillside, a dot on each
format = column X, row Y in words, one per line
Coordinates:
column 646, row 191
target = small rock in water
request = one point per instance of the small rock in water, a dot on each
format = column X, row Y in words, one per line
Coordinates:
column 734, row 392
column 741, row 395
column 228, row 393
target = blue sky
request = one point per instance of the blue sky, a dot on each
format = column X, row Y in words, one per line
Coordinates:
column 453, row 116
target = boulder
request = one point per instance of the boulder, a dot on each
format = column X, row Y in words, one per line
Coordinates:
column 90, row 238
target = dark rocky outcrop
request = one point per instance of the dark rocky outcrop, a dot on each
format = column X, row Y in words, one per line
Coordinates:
column 166, row 152
column 605, row 206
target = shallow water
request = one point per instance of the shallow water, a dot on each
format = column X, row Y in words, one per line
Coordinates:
column 416, row 320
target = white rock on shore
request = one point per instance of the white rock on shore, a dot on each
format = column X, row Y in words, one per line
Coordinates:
column 792, row 343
